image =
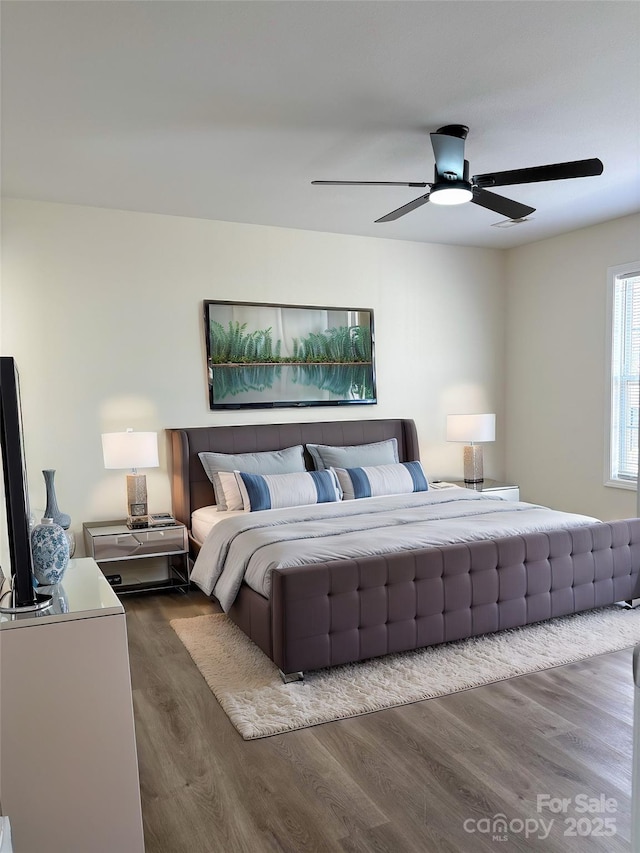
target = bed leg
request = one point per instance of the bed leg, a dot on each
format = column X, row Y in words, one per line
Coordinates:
column 289, row 677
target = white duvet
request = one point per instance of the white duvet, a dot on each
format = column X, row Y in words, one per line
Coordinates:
column 249, row 546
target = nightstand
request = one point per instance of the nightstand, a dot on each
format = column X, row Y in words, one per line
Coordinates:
column 493, row 487
column 114, row 546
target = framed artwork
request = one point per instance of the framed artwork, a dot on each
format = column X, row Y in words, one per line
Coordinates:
column 261, row 355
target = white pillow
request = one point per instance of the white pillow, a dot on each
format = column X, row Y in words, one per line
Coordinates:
column 285, row 461
column 379, row 480
column 230, row 493
column 276, row 491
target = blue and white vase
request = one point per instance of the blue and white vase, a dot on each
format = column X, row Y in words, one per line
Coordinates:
column 52, row 510
column 50, row 551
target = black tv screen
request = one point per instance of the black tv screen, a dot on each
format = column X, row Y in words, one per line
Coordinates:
column 15, row 485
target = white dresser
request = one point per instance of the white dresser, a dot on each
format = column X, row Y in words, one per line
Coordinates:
column 69, row 771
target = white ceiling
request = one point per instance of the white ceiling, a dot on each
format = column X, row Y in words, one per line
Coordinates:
column 227, row 110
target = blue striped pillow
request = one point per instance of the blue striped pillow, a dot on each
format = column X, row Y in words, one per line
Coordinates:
column 378, row 480
column 276, row 491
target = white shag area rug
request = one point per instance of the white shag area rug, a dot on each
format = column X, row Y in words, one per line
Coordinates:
column 249, row 688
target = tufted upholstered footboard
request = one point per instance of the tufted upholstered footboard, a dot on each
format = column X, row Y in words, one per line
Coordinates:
column 330, row 613
column 337, row 612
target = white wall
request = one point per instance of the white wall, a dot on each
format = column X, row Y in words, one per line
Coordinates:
column 102, row 311
column 556, row 399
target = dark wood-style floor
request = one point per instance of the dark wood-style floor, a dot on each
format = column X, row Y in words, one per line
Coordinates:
column 405, row 779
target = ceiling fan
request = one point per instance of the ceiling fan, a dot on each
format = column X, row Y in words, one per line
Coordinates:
column 452, row 185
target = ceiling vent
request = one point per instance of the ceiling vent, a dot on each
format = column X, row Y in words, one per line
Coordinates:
column 509, row 223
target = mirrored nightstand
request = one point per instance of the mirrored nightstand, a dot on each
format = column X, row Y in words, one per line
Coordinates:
column 509, row 491
column 112, row 545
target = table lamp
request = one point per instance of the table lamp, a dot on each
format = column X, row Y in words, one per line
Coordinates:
column 132, row 450
column 472, row 429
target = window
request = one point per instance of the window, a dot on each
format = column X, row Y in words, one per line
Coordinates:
column 624, row 313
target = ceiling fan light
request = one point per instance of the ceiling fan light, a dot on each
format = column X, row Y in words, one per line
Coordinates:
column 450, row 195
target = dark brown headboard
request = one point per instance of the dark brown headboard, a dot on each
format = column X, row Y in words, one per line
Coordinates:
column 190, row 487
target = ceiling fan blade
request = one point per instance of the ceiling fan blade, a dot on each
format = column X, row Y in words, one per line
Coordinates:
column 371, row 183
column 553, row 172
column 448, row 149
column 406, row 208
column 499, row 204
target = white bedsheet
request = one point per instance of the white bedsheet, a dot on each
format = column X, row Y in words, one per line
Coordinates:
column 203, row 520
column 249, row 546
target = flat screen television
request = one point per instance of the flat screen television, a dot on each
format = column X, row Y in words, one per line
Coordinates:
column 262, row 355
column 24, row 596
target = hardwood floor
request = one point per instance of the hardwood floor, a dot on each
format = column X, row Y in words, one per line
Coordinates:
column 424, row 777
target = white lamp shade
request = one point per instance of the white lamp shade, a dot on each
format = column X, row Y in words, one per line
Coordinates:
column 130, row 449
column 471, row 428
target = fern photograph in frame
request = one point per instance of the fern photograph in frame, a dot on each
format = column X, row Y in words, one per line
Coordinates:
column 264, row 355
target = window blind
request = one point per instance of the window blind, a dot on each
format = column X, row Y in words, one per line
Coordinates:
column 625, row 365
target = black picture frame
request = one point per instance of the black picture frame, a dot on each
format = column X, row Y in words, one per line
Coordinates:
column 263, row 355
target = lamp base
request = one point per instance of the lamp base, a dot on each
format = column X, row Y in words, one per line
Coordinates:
column 137, row 501
column 473, row 472
column 137, row 522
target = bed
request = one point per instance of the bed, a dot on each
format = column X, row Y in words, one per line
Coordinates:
column 341, row 610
